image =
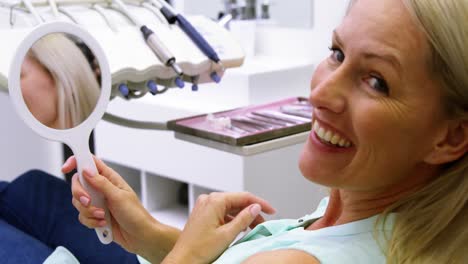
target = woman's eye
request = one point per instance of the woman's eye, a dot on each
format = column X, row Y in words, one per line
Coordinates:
column 378, row 84
column 337, row 55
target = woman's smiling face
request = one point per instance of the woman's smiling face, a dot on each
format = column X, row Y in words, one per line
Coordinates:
column 375, row 96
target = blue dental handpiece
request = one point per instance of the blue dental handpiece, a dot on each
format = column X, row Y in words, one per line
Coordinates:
column 197, row 38
column 190, row 30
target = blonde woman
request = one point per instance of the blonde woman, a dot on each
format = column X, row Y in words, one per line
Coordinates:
column 389, row 138
column 58, row 83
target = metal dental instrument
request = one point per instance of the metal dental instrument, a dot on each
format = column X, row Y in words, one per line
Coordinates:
column 285, row 116
column 268, row 120
column 279, row 116
column 264, row 123
column 243, row 126
column 173, row 16
column 237, row 130
column 254, row 123
column 249, row 124
column 303, row 103
column 296, row 111
column 156, row 45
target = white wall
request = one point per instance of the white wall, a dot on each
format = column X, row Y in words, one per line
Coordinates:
column 21, row 149
column 286, row 13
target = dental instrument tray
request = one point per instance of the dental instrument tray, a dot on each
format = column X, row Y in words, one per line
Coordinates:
column 249, row 125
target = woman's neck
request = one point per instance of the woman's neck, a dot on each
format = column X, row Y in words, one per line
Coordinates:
column 346, row 206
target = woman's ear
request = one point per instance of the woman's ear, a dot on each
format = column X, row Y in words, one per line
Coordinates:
column 452, row 146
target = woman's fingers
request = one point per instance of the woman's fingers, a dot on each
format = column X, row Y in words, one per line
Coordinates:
column 238, row 201
column 88, row 212
column 101, row 184
column 110, row 174
column 258, row 220
column 79, row 193
column 91, row 222
column 245, row 208
column 243, row 220
column 103, row 170
column 91, row 217
column 69, row 165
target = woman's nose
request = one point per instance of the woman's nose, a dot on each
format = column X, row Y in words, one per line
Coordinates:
column 328, row 92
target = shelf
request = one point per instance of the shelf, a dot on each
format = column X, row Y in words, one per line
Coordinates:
column 175, row 215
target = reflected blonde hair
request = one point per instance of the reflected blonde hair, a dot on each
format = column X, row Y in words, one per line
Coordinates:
column 77, row 87
column 432, row 224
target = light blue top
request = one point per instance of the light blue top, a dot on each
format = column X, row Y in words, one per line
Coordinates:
column 61, row 256
column 348, row 243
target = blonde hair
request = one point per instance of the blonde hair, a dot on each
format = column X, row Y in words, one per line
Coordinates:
column 431, row 225
column 77, row 87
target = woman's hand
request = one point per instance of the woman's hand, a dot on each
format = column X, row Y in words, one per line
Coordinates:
column 132, row 226
column 213, row 225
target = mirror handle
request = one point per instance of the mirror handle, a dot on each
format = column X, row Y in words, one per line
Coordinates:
column 84, row 160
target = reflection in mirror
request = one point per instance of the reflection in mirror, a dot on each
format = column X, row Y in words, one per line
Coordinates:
column 60, row 81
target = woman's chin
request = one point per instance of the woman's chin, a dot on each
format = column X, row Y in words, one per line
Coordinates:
column 317, row 170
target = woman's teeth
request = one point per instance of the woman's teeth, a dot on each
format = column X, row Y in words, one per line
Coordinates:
column 329, row 137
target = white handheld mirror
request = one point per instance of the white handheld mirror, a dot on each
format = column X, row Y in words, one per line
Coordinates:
column 61, row 94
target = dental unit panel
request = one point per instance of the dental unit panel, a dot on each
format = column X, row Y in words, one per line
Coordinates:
column 130, row 58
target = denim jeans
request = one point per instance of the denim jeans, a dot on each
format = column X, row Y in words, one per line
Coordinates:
column 36, row 216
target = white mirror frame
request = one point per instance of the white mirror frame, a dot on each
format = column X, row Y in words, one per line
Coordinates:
column 76, row 138
column 14, row 81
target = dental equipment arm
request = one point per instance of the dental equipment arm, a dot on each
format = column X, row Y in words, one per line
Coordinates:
column 134, row 123
column 156, row 45
column 172, row 17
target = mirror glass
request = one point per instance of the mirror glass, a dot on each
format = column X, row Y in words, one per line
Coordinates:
column 60, row 81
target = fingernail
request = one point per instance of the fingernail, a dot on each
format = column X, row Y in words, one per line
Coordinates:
column 102, row 223
column 255, row 210
column 84, row 200
column 88, row 173
column 66, row 163
column 99, row 214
